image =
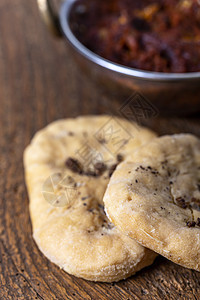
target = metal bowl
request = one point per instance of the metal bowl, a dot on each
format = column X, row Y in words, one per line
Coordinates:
column 170, row 93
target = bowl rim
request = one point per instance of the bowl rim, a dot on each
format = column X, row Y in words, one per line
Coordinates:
column 109, row 65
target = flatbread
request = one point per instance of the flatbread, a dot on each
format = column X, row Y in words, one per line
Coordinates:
column 68, row 166
column 154, row 197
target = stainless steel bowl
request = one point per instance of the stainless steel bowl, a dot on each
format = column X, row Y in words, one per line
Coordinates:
column 170, row 93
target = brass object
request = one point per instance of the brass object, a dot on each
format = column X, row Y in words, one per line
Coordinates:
column 50, row 16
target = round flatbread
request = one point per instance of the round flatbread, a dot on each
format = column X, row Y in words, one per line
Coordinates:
column 68, row 166
column 154, row 197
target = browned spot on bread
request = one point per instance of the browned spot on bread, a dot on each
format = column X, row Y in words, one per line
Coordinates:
column 74, row 165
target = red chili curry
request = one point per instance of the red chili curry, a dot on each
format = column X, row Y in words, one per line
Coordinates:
column 161, row 36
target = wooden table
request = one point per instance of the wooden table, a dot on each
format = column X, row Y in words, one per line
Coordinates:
column 38, row 84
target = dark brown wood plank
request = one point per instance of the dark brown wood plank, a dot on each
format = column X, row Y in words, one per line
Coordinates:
column 39, row 83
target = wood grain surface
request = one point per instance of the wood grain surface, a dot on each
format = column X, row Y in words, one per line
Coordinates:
column 39, row 83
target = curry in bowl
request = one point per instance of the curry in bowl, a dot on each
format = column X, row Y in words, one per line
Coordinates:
column 159, row 36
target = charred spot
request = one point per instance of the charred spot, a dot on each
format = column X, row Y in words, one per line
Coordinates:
column 191, row 224
column 148, row 168
column 90, row 173
column 154, row 172
column 181, row 202
column 74, row 165
column 100, row 167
